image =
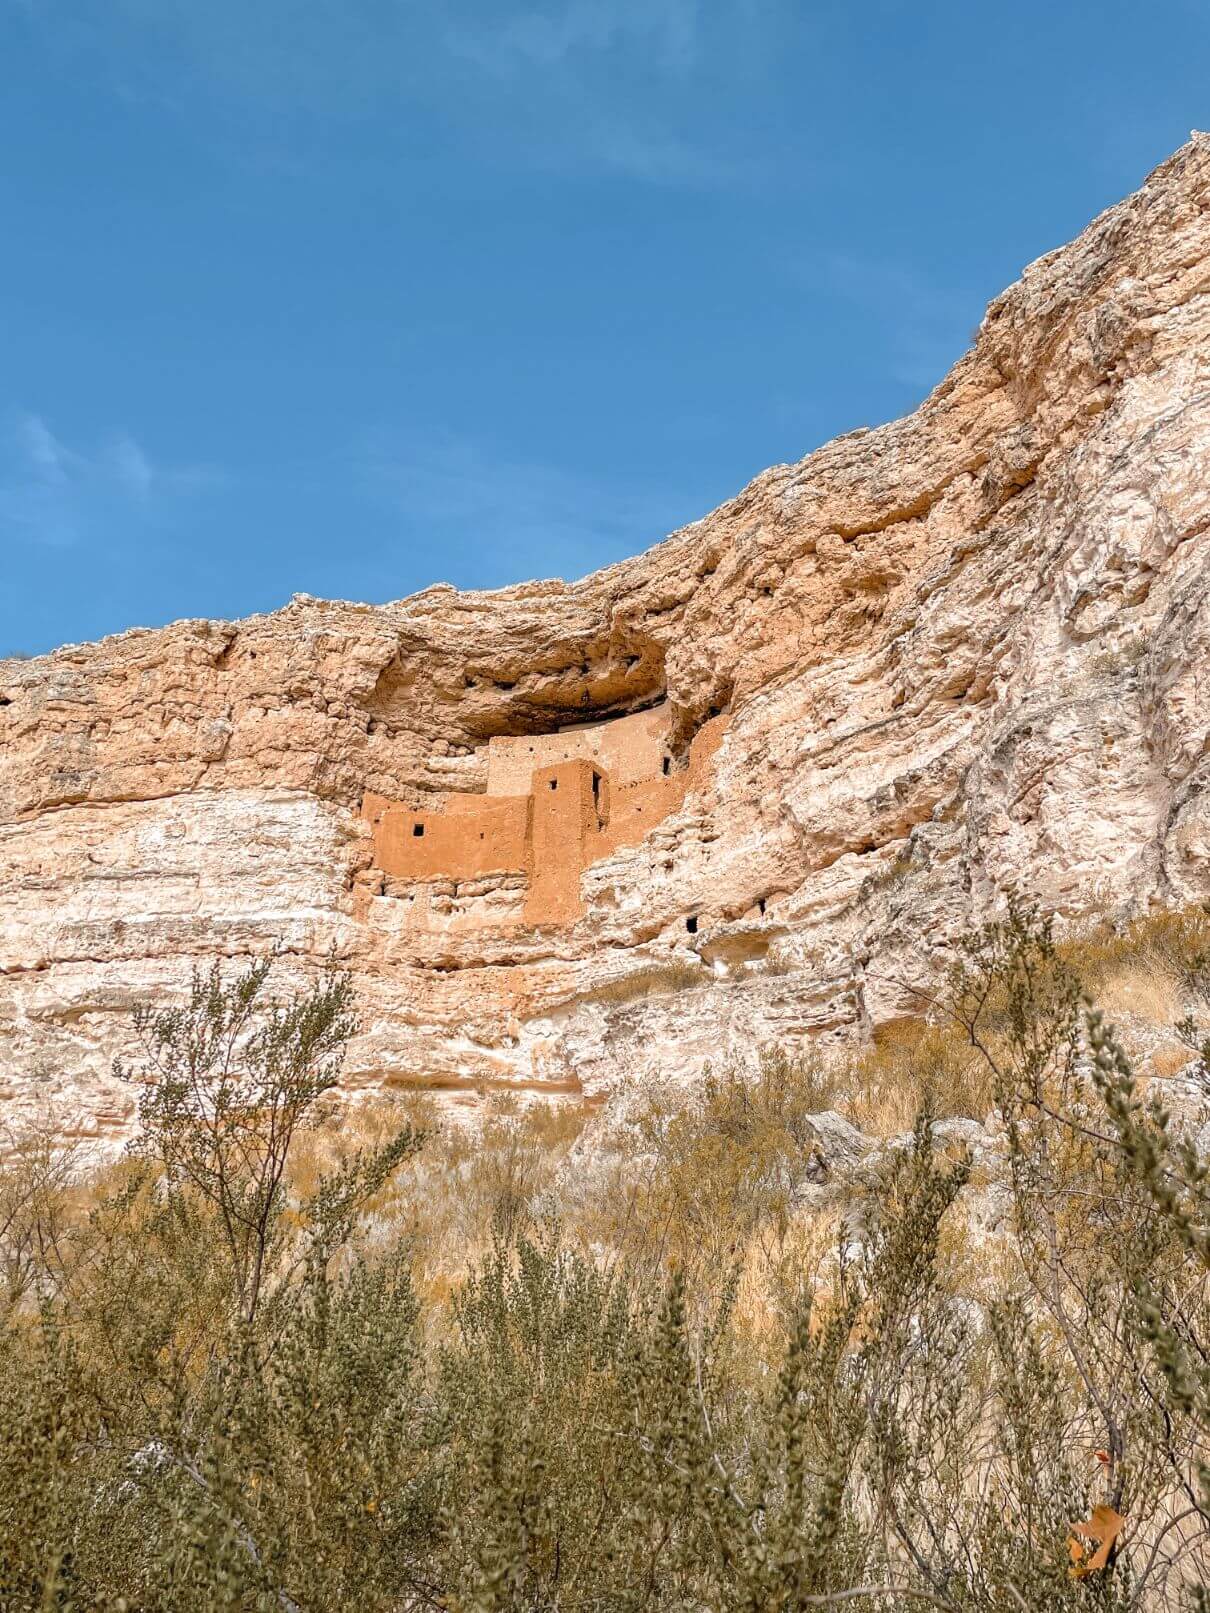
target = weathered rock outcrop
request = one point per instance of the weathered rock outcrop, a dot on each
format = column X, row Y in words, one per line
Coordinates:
column 964, row 653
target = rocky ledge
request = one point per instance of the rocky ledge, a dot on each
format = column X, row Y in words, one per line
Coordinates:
column 962, row 655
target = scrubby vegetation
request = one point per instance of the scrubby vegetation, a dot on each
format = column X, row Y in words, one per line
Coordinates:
column 659, row 1357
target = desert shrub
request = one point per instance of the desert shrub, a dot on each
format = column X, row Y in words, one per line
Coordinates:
column 556, row 1363
column 37, row 1208
column 915, row 1066
column 1105, row 1273
column 168, row 1341
column 725, row 1158
column 222, row 1388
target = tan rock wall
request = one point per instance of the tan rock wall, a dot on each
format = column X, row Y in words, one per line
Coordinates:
column 961, row 655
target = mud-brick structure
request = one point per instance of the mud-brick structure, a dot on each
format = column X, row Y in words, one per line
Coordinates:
column 554, row 805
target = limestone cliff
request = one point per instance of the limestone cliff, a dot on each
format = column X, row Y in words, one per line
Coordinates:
column 964, row 653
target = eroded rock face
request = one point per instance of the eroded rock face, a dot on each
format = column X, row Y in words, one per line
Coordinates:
column 964, row 654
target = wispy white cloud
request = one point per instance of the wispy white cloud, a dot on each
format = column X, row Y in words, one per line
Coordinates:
column 658, row 156
column 604, row 85
column 664, row 31
column 56, row 495
column 46, row 454
column 925, row 325
column 468, row 501
column 132, row 467
column 601, row 70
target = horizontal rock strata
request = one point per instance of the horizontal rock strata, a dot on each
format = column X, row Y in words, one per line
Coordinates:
column 958, row 656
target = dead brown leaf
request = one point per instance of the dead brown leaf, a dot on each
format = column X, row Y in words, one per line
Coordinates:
column 1103, row 1529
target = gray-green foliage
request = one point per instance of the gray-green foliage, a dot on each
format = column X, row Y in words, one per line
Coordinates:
column 218, row 1393
column 207, row 1378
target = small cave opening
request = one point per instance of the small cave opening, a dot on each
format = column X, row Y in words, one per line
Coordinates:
column 554, row 784
column 691, row 924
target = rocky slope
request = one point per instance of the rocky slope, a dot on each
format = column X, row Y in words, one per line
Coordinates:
column 961, row 654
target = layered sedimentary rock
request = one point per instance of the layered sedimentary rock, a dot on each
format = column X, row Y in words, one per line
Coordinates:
column 961, row 655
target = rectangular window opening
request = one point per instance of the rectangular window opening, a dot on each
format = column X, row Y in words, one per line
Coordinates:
column 418, row 829
column 667, row 765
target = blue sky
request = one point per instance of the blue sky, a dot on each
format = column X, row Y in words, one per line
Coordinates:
column 353, row 296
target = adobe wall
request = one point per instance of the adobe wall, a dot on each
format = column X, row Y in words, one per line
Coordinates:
column 572, row 813
column 627, row 748
column 635, row 808
column 467, row 836
column 564, row 820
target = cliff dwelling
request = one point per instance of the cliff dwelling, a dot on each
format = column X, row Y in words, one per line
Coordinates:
column 554, row 805
column 543, row 859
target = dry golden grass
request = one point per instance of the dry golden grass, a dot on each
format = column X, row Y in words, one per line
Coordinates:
column 1166, row 1062
column 781, row 1266
column 914, row 1066
column 1128, row 972
column 466, row 1187
column 653, row 980
column 711, row 1177
column 1156, row 962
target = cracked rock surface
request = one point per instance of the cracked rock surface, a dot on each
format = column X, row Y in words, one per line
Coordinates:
column 964, row 654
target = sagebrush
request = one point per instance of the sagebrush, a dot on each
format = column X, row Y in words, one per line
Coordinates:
column 266, row 1362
